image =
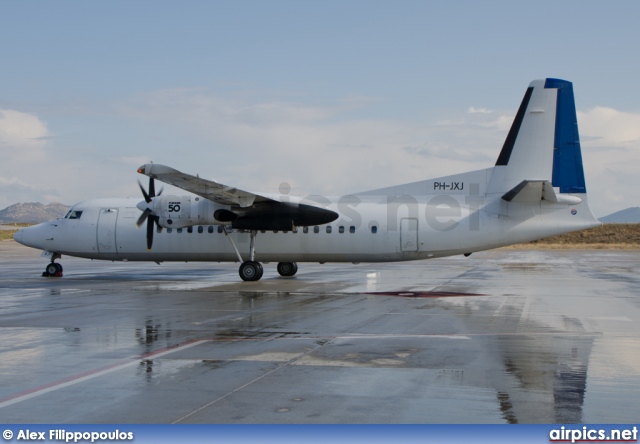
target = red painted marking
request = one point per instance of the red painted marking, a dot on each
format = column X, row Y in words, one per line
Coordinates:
column 423, row 294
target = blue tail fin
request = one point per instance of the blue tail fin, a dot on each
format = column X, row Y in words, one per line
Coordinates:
column 568, row 173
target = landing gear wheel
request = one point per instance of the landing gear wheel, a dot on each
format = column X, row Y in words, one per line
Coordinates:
column 53, row 270
column 287, row 268
column 250, row 271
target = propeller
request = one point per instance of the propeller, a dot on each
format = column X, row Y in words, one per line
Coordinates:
column 147, row 213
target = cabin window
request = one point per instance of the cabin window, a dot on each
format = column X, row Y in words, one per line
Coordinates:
column 179, row 230
column 190, row 230
column 305, row 230
column 201, row 229
column 352, row 229
column 329, row 229
column 374, row 229
column 341, row 229
column 220, row 229
column 210, row 229
column 169, row 230
column 158, row 229
column 316, row 229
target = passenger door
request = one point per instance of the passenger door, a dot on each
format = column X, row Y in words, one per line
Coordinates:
column 106, row 233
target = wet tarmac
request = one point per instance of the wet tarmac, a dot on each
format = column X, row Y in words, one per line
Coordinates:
column 506, row 336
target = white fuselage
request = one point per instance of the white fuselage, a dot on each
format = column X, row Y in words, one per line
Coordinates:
column 453, row 215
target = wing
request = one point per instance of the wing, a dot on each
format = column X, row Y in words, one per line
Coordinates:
column 247, row 210
column 209, row 189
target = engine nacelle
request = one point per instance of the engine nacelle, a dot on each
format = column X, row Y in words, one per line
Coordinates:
column 185, row 211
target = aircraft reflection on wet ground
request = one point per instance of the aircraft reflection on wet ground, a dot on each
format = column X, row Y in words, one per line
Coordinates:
column 505, row 336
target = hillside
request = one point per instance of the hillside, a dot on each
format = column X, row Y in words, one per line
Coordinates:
column 626, row 216
column 32, row 212
column 621, row 236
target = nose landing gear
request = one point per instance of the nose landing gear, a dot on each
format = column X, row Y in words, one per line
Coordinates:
column 52, row 270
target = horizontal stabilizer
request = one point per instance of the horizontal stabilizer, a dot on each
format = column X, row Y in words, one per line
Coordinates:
column 534, row 191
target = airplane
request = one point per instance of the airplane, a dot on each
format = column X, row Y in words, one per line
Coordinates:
column 536, row 189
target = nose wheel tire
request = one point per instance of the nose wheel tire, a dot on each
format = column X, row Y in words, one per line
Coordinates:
column 287, row 268
column 53, row 270
column 251, row 271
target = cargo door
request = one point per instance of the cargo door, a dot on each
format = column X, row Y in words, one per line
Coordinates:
column 408, row 234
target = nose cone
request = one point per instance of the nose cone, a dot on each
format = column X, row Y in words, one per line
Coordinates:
column 37, row 236
column 17, row 236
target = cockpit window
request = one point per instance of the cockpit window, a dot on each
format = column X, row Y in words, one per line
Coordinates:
column 73, row 214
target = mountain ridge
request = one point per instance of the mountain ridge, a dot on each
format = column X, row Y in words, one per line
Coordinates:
column 629, row 215
column 32, row 212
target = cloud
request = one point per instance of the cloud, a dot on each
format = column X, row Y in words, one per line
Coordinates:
column 315, row 147
column 23, row 144
column 610, row 127
column 331, row 148
column 20, row 130
column 473, row 110
column 610, row 141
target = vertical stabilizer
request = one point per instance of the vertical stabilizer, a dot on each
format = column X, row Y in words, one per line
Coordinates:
column 543, row 143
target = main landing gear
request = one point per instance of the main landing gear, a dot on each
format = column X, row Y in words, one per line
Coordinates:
column 287, row 268
column 52, row 270
column 252, row 270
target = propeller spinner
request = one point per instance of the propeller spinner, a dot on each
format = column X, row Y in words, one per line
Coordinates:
column 147, row 211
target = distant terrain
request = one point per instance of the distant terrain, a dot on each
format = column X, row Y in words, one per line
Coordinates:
column 32, row 212
column 610, row 236
column 626, row 216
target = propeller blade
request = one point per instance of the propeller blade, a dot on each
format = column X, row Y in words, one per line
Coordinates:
column 149, row 233
column 147, row 199
column 143, row 217
column 152, row 187
column 156, row 219
column 147, row 214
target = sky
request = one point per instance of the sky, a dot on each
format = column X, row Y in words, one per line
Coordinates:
column 329, row 97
